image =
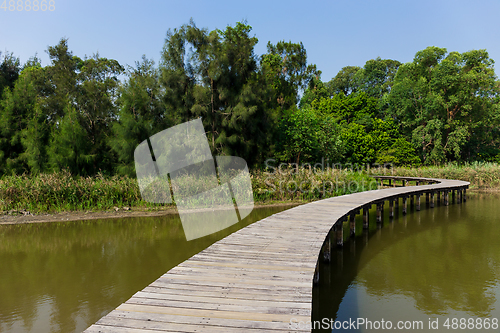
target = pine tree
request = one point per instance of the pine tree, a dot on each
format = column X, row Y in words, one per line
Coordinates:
column 69, row 148
column 141, row 113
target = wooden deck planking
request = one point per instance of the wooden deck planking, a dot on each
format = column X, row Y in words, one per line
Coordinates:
column 254, row 280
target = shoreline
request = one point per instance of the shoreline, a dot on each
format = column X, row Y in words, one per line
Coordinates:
column 70, row 216
column 82, row 215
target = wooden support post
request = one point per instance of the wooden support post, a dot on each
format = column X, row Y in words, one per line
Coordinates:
column 380, row 207
column 396, row 203
column 427, row 198
column 460, row 195
column 464, row 199
column 405, row 198
column 352, row 224
column 366, row 217
column 339, row 232
column 439, row 197
column 446, row 197
column 412, row 200
column 327, row 249
column 417, row 183
column 316, row 275
column 390, row 182
column 404, row 182
column 381, row 182
column 391, row 208
column 452, row 196
column 432, row 199
column 418, row 202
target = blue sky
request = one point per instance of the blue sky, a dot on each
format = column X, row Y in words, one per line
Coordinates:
column 335, row 33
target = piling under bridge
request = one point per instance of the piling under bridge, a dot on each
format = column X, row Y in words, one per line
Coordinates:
column 260, row 278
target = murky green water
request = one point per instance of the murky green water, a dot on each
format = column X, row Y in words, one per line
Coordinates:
column 62, row 277
column 431, row 267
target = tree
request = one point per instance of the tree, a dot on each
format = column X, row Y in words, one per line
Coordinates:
column 382, row 143
column 299, row 131
column 316, row 90
column 62, row 79
column 94, row 100
column 358, row 107
column 69, row 147
column 220, row 81
column 38, row 103
column 345, row 81
column 359, row 146
column 34, row 139
column 177, row 77
column 287, row 62
column 9, row 71
column 23, row 119
column 377, row 76
column 447, row 103
column 141, row 114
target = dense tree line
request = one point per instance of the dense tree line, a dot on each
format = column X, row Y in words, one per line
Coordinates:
column 77, row 114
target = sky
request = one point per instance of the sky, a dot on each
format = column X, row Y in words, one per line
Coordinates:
column 334, row 33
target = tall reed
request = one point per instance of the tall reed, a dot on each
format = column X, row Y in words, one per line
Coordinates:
column 481, row 175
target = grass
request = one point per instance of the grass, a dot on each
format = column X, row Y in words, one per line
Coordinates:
column 62, row 192
column 59, row 192
column 481, row 175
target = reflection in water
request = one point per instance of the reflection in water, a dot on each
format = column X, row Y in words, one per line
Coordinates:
column 64, row 276
column 436, row 263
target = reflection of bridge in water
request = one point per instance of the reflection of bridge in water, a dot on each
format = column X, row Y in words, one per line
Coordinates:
column 260, row 278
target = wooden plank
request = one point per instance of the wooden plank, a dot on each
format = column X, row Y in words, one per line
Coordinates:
column 166, row 318
column 269, row 317
column 247, row 294
column 222, row 300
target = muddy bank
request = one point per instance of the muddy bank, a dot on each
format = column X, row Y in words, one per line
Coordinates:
column 26, row 217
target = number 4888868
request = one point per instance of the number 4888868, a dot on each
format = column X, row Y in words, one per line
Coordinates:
column 28, row 5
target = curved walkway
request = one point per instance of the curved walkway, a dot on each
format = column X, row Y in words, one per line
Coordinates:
column 260, row 278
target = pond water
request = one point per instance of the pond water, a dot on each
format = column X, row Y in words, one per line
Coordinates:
column 430, row 267
column 64, row 276
column 437, row 269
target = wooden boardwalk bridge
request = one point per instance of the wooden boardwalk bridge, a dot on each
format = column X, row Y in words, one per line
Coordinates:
column 260, row 278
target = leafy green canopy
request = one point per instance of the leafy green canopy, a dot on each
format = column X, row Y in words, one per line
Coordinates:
column 43, row 100
column 447, row 104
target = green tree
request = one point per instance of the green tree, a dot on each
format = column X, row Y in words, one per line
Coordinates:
column 95, row 95
column 447, row 103
column 345, row 81
column 61, row 78
column 9, row 71
column 299, row 135
column 290, row 71
column 377, row 76
column 359, row 146
column 358, row 107
column 34, row 139
column 382, row 143
column 177, row 77
column 220, row 81
column 23, row 123
column 316, row 90
column 142, row 113
column 69, row 147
